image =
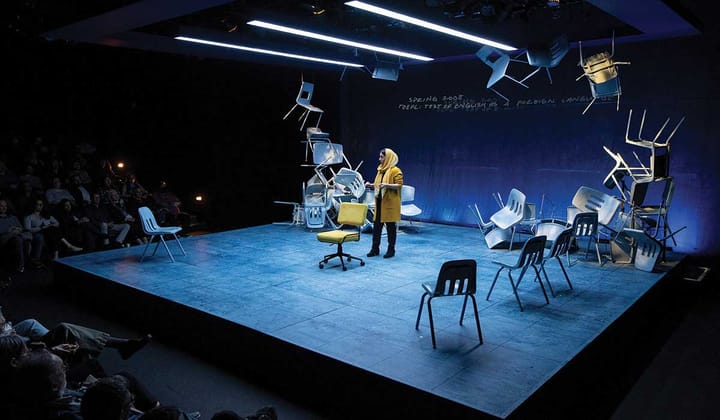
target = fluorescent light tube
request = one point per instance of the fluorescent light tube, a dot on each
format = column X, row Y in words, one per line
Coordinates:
column 428, row 25
column 335, row 40
column 269, row 52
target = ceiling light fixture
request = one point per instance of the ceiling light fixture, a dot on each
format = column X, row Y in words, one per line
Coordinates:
column 428, row 25
column 269, row 52
column 335, row 40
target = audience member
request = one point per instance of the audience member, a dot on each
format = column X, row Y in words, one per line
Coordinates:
column 55, row 169
column 108, row 399
column 79, row 191
column 12, row 347
column 102, row 222
column 82, row 339
column 12, row 239
column 39, row 388
column 73, row 228
column 167, row 206
column 57, row 193
column 9, row 182
column 78, row 169
column 26, row 198
column 32, row 178
column 120, row 214
column 45, row 230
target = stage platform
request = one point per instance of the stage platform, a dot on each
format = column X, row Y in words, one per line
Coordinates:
column 254, row 300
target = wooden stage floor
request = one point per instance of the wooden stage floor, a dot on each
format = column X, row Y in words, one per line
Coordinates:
column 347, row 339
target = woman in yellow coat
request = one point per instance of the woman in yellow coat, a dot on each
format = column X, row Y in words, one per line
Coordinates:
column 387, row 185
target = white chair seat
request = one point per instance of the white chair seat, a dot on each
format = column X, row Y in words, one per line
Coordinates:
column 410, row 210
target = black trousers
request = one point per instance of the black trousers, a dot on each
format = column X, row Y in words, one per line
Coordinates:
column 390, row 227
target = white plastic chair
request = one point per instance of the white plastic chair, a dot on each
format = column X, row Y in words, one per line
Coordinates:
column 499, row 66
column 303, row 99
column 512, row 213
column 407, row 207
column 152, row 229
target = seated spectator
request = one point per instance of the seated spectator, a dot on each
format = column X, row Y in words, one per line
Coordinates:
column 119, row 214
column 32, row 178
column 26, row 198
column 39, row 388
column 74, row 229
column 55, row 169
column 12, row 347
column 79, row 191
column 167, row 205
column 12, row 238
column 108, row 399
column 57, row 193
column 83, row 339
column 9, row 182
column 45, row 230
column 78, row 169
column 107, row 189
column 101, row 221
column 135, row 194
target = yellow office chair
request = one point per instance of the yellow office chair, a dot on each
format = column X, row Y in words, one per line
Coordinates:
column 352, row 214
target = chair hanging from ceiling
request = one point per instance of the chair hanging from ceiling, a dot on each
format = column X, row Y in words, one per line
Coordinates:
column 601, row 72
column 303, row 99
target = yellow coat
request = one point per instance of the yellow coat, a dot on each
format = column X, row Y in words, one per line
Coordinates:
column 390, row 206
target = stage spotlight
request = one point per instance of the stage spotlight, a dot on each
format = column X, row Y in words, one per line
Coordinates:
column 120, row 165
column 199, row 198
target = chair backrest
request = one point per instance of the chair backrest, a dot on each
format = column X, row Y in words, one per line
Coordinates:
column 352, row 180
column 606, row 89
column 305, row 94
column 147, row 219
column 407, row 193
column 512, row 212
column 516, row 203
column 532, row 251
column 585, row 224
column 638, row 192
column 588, row 199
column 562, row 243
column 498, row 65
column 458, row 277
column 354, row 214
column 548, row 54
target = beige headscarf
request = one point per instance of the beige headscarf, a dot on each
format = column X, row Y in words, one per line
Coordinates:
column 383, row 174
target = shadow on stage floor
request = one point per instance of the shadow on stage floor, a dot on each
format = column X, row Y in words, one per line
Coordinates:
column 255, row 301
